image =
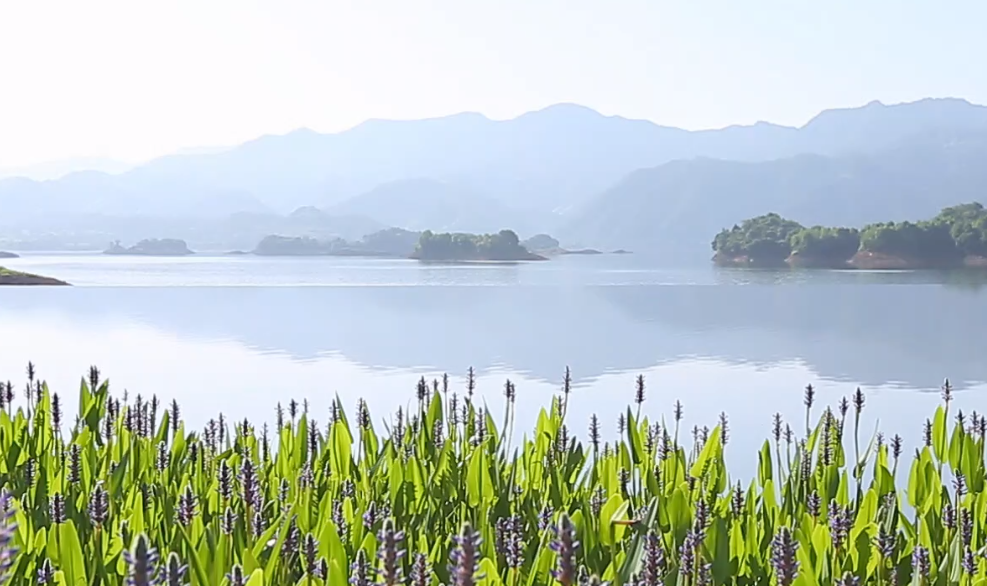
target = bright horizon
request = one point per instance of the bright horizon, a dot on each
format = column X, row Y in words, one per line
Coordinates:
column 132, row 81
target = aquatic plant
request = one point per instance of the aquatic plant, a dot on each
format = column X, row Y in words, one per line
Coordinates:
column 128, row 495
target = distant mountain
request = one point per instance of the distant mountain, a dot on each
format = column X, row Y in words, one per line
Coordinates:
column 440, row 206
column 877, row 126
column 91, row 192
column 50, row 170
column 675, row 209
column 238, row 231
column 537, row 166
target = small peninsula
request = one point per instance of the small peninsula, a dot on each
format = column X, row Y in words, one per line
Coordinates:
column 16, row 278
column 8, row 255
column 503, row 246
column 151, row 247
column 955, row 238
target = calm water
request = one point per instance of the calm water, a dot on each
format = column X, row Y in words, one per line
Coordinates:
column 240, row 334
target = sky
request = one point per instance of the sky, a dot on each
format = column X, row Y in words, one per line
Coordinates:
column 136, row 79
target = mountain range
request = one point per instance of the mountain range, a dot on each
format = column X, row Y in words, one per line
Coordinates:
column 50, row 170
column 593, row 180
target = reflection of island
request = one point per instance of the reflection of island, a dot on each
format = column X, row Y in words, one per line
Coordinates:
column 835, row 323
column 16, row 278
column 390, row 243
column 502, row 246
column 955, row 238
column 843, row 331
column 151, row 247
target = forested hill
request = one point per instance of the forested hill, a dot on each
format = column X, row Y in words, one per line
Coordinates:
column 502, row 246
column 956, row 236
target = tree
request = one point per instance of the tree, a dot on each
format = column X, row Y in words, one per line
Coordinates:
column 761, row 239
column 504, row 245
column 827, row 244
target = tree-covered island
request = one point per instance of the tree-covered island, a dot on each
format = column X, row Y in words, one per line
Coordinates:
column 389, row 243
column 502, row 246
column 956, row 237
column 151, row 247
column 399, row 243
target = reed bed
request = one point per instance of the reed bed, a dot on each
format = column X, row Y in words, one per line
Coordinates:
column 439, row 495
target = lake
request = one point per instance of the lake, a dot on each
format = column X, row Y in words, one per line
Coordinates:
column 240, row 334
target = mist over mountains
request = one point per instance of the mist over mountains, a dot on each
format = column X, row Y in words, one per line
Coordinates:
column 590, row 179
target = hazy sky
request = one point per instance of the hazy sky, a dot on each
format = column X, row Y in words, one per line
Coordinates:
column 132, row 79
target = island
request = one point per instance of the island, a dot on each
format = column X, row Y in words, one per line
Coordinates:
column 390, row 243
column 16, row 278
column 151, row 247
column 545, row 245
column 956, row 237
column 400, row 243
column 8, row 255
column 459, row 247
column 542, row 244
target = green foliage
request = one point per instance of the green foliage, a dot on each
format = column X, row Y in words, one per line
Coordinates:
column 922, row 240
column 307, row 504
column 503, row 245
column 762, row 239
column 152, row 247
column 967, row 226
column 953, row 234
column 826, row 243
column 275, row 245
column 390, row 242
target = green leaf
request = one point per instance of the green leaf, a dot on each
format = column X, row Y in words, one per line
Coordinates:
column 256, row 578
column 342, row 446
column 939, row 434
column 70, row 555
column 712, row 451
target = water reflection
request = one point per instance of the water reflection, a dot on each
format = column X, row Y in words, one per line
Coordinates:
column 910, row 334
column 747, row 350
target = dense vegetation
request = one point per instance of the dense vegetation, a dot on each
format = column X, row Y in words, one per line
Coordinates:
column 503, row 245
column 127, row 494
column 152, row 247
column 396, row 241
column 956, row 232
column 826, row 243
column 275, row 245
column 390, row 242
column 765, row 238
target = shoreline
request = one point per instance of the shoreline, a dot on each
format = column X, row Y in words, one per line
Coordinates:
column 862, row 261
column 9, row 278
column 532, row 258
